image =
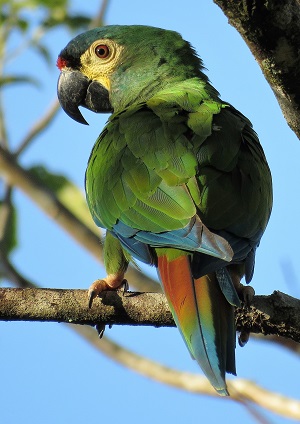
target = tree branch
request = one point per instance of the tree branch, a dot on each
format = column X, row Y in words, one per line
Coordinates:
column 38, row 126
column 275, row 314
column 272, row 32
column 12, row 274
column 60, row 305
column 70, row 306
column 290, row 345
column 99, row 19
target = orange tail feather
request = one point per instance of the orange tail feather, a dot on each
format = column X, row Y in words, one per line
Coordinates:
column 203, row 316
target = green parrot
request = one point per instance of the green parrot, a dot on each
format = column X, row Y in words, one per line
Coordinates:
column 177, row 177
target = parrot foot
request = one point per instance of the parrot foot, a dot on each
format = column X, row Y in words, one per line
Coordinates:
column 111, row 282
column 246, row 294
column 244, row 337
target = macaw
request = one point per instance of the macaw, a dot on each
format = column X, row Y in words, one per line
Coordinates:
column 177, row 177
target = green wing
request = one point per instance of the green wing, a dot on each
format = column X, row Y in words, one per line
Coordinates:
column 158, row 164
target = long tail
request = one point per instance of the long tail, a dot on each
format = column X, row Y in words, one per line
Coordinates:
column 203, row 316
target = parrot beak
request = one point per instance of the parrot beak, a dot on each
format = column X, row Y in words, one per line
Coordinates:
column 74, row 89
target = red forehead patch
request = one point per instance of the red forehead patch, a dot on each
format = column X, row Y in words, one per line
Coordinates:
column 61, row 63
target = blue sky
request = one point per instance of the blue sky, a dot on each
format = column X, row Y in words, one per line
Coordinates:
column 48, row 373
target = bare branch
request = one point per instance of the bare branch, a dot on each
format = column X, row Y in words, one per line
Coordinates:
column 38, row 127
column 272, row 32
column 70, row 306
column 275, row 314
column 12, row 274
column 288, row 344
column 59, row 305
column 242, row 391
column 99, row 18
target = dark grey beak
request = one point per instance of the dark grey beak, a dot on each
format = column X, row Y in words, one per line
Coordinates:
column 74, row 89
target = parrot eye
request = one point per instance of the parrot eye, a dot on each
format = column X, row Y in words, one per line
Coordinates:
column 102, row 51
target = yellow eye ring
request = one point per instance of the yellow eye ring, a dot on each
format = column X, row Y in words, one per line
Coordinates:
column 102, row 51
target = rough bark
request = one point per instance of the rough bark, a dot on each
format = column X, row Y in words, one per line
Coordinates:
column 275, row 314
column 271, row 29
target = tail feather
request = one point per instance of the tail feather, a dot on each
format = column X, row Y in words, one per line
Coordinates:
column 203, row 316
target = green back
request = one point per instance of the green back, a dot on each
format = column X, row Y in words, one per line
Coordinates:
column 158, row 163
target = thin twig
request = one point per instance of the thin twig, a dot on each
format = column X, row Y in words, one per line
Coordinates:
column 99, row 18
column 38, row 127
column 288, row 344
column 254, row 412
column 43, row 122
column 12, row 274
column 240, row 390
column 17, row 176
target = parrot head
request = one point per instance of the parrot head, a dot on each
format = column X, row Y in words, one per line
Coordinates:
column 109, row 68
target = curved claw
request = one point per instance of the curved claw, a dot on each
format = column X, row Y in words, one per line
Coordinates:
column 91, row 297
column 95, row 289
column 125, row 286
column 100, row 330
column 111, row 282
